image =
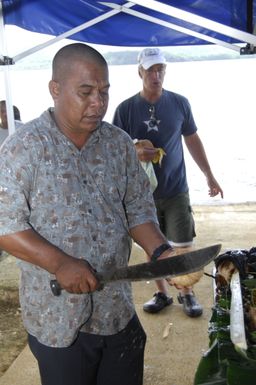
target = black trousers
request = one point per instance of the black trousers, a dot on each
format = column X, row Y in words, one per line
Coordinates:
column 94, row 360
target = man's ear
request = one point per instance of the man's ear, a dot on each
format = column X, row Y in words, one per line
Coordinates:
column 139, row 72
column 54, row 88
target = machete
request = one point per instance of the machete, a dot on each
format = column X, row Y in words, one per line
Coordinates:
column 169, row 267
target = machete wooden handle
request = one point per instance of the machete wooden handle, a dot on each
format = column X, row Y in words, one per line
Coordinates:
column 57, row 289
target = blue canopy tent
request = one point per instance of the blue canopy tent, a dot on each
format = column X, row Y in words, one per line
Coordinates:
column 137, row 23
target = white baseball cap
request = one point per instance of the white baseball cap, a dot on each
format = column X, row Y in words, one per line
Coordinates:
column 151, row 56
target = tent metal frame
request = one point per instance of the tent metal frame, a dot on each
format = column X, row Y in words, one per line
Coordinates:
column 177, row 13
column 248, row 38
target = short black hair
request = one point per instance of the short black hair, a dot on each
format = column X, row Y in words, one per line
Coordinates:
column 16, row 111
column 71, row 52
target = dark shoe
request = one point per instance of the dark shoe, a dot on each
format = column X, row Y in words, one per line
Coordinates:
column 190, row 305
column 157, row 303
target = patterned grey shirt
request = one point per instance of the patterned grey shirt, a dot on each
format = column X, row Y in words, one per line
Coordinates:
column 83, row 201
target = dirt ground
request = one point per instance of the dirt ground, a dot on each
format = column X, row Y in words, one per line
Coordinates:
column 170, row 360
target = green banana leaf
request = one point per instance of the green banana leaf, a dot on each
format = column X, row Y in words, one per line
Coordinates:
column 223, row 363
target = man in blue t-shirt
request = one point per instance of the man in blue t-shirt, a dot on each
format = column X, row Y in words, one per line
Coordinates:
column 164, row 117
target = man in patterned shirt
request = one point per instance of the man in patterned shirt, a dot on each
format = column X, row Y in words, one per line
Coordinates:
column 72, row 197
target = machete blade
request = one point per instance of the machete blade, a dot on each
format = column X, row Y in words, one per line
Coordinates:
column 169, row 267
column 185, row 263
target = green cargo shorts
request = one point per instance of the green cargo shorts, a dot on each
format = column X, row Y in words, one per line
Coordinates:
column 176, row 219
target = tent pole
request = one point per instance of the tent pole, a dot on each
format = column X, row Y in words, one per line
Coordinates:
column 250, row 16
column 72, row 31
column 198, row 20
column 7, row 80
column 175, row 27
column 250, row 48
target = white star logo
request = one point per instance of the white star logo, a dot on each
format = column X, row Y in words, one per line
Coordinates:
column 152, row 125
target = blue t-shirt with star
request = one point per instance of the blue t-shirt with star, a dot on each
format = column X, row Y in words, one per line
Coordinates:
column 163, row 123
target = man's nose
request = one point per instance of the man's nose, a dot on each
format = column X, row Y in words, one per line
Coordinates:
column 156, row 74
column 98, row 99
